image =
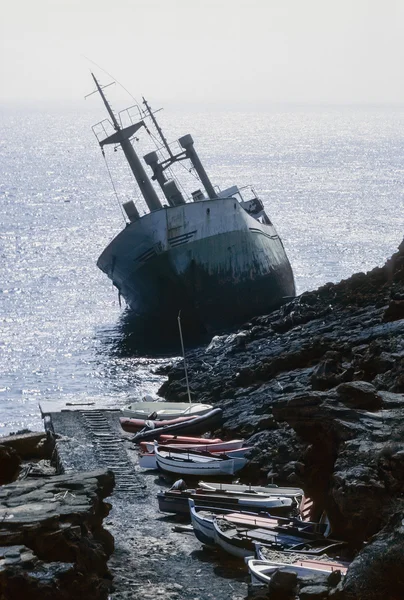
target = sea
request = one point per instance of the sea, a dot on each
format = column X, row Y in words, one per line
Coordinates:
column 331, row 179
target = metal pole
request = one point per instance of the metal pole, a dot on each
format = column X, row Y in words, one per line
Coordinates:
column 157, row 126
column 183, row 354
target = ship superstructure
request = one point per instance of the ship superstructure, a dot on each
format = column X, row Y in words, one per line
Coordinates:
column 217, row 257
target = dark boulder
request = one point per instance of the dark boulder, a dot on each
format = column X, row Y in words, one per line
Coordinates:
column 377, row 572
column 10, row 464
column 359, row 394
column 283, row 584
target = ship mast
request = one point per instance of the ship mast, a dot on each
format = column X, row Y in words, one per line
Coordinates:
column 121, row 137
column 157, row 126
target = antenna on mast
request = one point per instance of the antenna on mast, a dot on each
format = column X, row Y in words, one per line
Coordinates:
column 157, row 126
column 122, row 136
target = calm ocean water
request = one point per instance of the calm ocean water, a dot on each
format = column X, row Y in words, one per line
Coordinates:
column 331, row 179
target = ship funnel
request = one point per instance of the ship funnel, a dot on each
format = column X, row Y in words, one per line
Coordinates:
column 173, row 194
column 170, row 189
column 187, row 143
column 131, row 211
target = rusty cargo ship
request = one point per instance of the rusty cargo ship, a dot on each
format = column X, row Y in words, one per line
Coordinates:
column 214, row 256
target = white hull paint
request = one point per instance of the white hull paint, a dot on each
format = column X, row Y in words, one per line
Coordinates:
column 220, row 446
column 147, row 461
column 165, row 410
column 262, row 571
column 202, row 525
column 226, row 546
column 270, row 490
column 197, row 465
column 211, row 260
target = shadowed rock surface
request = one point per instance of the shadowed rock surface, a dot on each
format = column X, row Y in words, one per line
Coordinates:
column 52, row 541
column 318, row 388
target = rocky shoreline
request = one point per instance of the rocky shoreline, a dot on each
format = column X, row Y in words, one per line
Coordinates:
column 318, row 388
column 52, row 541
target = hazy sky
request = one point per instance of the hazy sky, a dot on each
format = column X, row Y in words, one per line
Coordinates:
column 228, row 52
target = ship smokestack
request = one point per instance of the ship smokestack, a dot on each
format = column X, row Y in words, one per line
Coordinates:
column 173, row 194
column 187, row 143
column 170, row 189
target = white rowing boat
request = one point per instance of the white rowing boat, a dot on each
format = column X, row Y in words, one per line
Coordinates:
column 202, row 520
column 289, row 492
column 188, row 463
column 261, row 571
column 147, row 460
column 164, row 410
column 208, row 447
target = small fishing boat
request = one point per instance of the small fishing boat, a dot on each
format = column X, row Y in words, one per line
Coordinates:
column 176, row 501
column 289, row 492
column 193, row 463
column 263, row 553
column 164, row 410
column 240, row 541
column 261, row 571
column 218, row 446
column 188, row 425
column 148, row 460
column 135, row 425
column 202, row 521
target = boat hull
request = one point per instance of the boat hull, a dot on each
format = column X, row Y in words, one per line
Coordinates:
column 210, row 259
column 225, row 447
column 196, row 425
column 178, row 464
column 261, row 571
column 202, row 526
column 164, row 410
column 227, row 544
column 177, row 502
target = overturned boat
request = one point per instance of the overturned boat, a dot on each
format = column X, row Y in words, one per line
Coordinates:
column 214, row 254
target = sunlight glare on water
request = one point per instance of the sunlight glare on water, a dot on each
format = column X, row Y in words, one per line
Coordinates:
column 331, row 180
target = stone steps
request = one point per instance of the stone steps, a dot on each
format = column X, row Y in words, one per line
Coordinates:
column 111, row 453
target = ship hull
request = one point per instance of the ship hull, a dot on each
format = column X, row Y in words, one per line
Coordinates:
column 211, row 260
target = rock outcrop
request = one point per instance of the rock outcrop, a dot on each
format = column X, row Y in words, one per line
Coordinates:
column 52, row 541
column 31, row 445
column 10, row 464
column 318, row 388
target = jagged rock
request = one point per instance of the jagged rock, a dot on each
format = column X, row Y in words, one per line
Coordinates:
column 255, row 593
column 30, row 445
column 377, row 571
column 330, row 372
column 283, row 584
column 59, row 519
column 330, row 365
column 314, row 592
column 23, row 575
column 352, row 467
column 394, row 311
column 359, row 394
column 42, row 468
column 9, row 464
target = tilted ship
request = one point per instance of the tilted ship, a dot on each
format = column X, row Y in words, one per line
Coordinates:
column 216, row 256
